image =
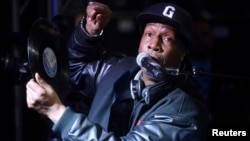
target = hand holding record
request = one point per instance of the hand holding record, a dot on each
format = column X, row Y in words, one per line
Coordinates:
column 47, row 55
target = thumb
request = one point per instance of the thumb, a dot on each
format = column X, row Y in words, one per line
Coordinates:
column 40, row 80
column 43, row 83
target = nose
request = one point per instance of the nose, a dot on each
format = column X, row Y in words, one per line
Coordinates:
column 155, row 44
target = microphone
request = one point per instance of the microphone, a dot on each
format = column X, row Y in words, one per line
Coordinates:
column 154, row 68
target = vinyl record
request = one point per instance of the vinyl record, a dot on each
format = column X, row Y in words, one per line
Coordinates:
column 47, row 55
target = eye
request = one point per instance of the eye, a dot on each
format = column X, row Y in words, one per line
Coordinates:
column 148, row 34
column 167, row 39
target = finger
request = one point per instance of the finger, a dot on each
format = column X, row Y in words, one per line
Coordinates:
column 100, row 17
column 95, row 4
column 91, row 12
column 90, row 3
column 33, row 93
column 29, row 98
column 95, row 8
column 34, row 90
column 32, row 85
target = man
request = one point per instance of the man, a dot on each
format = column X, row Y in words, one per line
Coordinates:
column 120, row 100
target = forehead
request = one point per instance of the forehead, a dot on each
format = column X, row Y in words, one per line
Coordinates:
column 160, row 25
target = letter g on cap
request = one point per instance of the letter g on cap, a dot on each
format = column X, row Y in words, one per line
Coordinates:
column 168, row 11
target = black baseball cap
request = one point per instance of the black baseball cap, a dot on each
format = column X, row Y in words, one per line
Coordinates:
column 170, row 14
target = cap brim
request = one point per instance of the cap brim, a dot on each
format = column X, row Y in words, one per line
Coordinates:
column 145, row 18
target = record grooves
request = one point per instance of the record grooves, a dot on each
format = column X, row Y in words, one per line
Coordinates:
column 47, row 55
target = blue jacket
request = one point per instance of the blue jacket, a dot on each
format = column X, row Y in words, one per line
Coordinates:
column 104, row 110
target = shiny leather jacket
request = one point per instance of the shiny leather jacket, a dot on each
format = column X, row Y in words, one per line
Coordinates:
column 171, row 112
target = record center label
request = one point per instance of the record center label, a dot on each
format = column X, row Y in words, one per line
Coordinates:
column 49, row 62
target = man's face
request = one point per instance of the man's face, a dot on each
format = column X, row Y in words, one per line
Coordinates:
column 159, row 41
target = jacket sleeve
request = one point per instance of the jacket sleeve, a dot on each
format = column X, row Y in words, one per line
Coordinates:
column 159, row 125
column 82, row 51
column 76, row 127
column 88, row 63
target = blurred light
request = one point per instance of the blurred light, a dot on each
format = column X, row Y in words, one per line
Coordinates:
column 125, row 25
column 221, row 32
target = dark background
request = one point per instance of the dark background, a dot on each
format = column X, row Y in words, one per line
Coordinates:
column 229, row 97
